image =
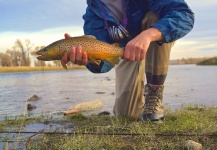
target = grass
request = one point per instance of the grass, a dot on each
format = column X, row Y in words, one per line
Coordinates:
column 40, row 68
column 109, row 132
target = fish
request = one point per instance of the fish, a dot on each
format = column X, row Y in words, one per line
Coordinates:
column 96, row 50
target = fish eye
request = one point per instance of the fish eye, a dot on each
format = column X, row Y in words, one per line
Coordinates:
column 44, row 50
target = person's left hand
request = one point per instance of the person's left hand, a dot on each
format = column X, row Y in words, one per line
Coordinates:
column 137, row 48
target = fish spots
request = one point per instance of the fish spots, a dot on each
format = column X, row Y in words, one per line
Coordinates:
column 94, row 48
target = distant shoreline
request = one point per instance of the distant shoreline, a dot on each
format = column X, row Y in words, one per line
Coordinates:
column 209, row 62
column 35, row 69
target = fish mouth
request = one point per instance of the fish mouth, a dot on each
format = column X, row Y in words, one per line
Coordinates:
column 44, row 58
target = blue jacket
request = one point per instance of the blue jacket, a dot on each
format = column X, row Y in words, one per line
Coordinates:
column 175, row 20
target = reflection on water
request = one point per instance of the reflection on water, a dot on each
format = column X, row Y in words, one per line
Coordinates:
column 191, row 84
column 60, row 90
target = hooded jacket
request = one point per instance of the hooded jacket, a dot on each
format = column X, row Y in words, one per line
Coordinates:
column 176, row 20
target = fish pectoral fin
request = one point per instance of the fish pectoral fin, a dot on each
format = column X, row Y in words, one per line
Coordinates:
column 90, row 36
column 64, row 65
column 113, row 60
column 94, row 61
column 116, row 44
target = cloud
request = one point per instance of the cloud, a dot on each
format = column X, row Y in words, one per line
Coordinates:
column 45, row 21
column 39, row 38
column 200, row 3
column 25, row 15
column 186, row 48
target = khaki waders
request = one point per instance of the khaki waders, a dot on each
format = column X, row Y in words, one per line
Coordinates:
column 130, row 76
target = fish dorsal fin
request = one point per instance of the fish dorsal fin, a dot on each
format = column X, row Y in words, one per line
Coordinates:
column 113, row 60
column 90, row 36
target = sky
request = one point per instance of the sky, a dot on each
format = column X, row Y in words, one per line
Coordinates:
column 45, row 21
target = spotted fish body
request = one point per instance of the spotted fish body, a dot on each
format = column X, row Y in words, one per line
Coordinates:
column 95, row 49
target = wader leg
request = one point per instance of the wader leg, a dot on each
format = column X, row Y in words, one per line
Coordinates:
column 130, row 75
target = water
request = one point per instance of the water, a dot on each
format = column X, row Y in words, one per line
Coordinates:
column 59, row 90
column 185, row 84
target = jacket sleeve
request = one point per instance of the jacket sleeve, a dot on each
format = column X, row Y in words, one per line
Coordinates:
column 94, row 25
column 175, row 18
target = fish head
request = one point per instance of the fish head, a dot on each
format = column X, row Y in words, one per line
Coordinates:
column 50, row 52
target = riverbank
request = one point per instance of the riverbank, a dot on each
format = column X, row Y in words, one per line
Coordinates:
column 208, row 62
column 32, row 69
column 197, row 123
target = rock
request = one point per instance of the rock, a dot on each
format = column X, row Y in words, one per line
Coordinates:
column 104, row 113
column 30, row 106
column 34, row 98
column 113, row 93
column 100, row 92
column 193, row 145
column 108, row 79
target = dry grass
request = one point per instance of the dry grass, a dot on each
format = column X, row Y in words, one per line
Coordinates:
column 40, row 68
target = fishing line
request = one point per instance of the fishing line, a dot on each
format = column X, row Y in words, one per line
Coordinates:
column 42, row 64
column 97, row 133
column 21, row 126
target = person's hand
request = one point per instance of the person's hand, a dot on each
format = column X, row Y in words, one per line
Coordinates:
column 136, row 49
column 76, row 55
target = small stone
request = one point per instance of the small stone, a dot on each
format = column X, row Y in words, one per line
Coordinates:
column 108, row 79
column 30, row 106
column 104, row 113
column 34, row 98
column 193, row 145
column 100, row 92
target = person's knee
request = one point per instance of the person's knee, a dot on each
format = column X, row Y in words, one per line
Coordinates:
column 149, row 19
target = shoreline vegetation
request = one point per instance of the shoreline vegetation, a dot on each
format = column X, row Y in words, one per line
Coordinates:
column 210, row 61
column 3, row 69
column 93, row 131
column 22, row 52
column 38, row 68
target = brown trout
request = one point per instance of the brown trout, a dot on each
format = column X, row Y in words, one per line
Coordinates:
column 95, row 49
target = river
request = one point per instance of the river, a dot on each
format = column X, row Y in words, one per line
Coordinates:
column 59, row 90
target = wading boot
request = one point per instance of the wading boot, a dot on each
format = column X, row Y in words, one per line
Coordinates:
column 153, row 107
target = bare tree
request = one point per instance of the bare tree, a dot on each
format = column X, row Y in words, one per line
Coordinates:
column 24, row 48
column 15, row 57
column 5, row 60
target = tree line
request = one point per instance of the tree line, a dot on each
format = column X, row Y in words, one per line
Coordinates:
column 20, row 55
column 191, row 60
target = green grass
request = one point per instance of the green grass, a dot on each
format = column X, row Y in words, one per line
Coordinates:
column 189, row 123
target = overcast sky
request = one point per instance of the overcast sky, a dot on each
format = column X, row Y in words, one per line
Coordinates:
column 45, row 21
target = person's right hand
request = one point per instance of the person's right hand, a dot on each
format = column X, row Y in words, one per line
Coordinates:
column 76, row 55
